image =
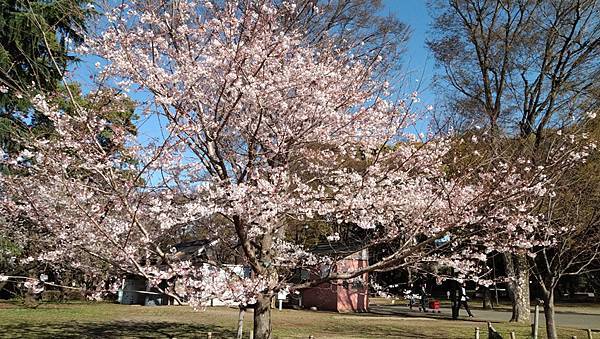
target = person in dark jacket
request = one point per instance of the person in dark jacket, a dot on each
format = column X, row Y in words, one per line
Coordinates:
column 423, row 297
column 453, row 295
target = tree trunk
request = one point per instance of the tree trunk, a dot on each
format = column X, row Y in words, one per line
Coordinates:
column 487, row 299
column 262, row 317
column 30, row 299
column 549, row 314
column 517, row 268
column 240, row 329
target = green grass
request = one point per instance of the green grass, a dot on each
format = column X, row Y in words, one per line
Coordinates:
column 76, row 320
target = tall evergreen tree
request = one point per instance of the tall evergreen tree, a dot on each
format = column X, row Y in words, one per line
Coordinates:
column 35, row 38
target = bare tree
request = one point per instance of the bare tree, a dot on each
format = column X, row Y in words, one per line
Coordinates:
column 572, row 215
column 518, row 67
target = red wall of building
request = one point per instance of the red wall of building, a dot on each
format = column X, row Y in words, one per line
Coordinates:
column 323, row 297
column 353, row 295
column 342, row 296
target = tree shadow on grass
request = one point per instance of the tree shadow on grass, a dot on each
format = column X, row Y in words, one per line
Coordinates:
column 402, row 312
column 390, row 310
column 114, row 329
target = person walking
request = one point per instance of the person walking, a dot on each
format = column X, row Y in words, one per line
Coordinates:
column 409, row 294
column 464, row 300
column 423, row 297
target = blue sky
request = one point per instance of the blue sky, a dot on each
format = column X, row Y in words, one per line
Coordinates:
column 415, row 14
column 418, row 62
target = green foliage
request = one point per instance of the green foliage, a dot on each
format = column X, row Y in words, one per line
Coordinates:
column 35, row 38
column 8, row 251
column 34, row 41
column 8, row 248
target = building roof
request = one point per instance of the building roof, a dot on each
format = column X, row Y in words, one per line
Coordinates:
column 198, row 248
column 339, row 248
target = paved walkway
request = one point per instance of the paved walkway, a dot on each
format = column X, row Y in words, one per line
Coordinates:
column 566, row 319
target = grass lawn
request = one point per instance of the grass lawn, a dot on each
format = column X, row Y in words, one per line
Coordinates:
column 76, row 320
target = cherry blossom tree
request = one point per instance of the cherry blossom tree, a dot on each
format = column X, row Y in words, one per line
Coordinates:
column 260, row 127
column 23, row 239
